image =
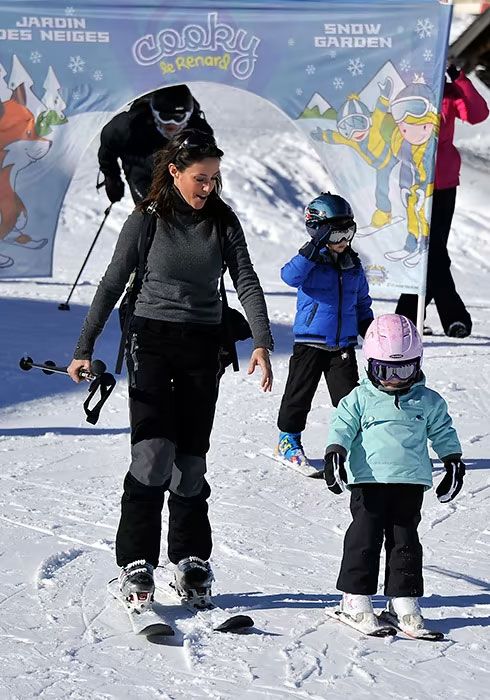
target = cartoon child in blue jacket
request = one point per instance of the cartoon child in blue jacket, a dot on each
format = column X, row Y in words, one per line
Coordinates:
column 384, row 425
column 333, row 308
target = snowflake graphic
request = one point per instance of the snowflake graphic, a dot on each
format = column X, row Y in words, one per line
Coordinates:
column 405, row 65
column 76, row 64
column 332, row 53
column 77, row 94
column 299, row 91
column 428, row 55
column 291, row 41
column 36, row 56
column 310, row 69
column 70, row 11
column 355, row 66
column 97, row 75
column 338, row 83
column 424, row 28
column 418, row 78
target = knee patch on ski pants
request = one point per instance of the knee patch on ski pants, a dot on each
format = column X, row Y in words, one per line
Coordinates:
column 154, row 462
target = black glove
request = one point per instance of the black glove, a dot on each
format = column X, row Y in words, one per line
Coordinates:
column 114, row 188
column 334, row 471
column 452, row 482
column 453, row 71
column 311, row 249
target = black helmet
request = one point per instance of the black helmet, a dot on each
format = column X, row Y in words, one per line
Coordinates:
column 173, row 104
column 325, row 208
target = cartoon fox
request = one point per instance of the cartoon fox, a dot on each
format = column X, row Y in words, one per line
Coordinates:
column 20, row 146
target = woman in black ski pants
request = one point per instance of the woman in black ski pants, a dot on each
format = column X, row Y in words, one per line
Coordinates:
column 172, row 357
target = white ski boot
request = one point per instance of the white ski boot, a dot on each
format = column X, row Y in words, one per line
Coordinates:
column 137, row 586
column 357, row 612
column 192, row 582
column 405, row 613
column 360, row 609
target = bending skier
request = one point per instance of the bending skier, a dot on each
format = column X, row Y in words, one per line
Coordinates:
column 333, row 307
column 173, row 361
column 383, row 426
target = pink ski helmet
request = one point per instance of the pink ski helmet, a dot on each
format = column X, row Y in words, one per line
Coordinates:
column 392, row 337
column 393, row 348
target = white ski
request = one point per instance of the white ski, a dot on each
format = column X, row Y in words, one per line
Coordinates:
column 369, row 628
column 386, row 618
column 306, row 469
column 365, row 231
column 148, row 623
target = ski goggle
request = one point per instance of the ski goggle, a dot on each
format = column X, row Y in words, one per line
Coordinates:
column 384, row 371
column 413, row 106
column 164, row 118
column 356, row 122
column 333, row 232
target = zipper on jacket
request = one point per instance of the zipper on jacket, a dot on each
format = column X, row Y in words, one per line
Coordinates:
column 312, row 313
column 339, row 314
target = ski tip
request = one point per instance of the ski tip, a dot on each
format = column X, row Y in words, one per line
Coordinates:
column 237, row 623
column 157, row 629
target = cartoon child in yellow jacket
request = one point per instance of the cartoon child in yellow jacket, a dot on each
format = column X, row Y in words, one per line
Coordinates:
column 413, row 143
column 363, row 132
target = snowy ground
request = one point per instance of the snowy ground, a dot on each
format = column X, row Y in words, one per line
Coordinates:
column 278, row 536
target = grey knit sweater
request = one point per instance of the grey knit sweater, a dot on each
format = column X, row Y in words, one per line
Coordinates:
column 181, row 276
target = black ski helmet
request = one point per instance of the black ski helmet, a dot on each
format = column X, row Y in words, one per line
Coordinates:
column 173, row 103
column 327, row 207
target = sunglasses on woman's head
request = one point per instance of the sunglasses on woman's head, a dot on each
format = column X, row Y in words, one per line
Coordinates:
column 197, row 140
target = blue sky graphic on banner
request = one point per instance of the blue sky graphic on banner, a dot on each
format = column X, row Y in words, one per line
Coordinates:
column 362, row 80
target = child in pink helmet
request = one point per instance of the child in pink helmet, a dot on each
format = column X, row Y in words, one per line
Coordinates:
column 377, row 445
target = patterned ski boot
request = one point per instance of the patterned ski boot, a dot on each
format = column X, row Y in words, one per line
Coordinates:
column 405, row 614
column 359, row 609
column 192, row 582
column 291, row 450
column 136, row 585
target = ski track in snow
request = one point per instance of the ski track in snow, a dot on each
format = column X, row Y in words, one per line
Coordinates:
column 278, row 536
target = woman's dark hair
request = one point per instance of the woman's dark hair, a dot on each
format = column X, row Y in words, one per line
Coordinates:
column 187, row 147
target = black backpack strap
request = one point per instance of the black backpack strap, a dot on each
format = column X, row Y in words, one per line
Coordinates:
column 228, row 337
column 144, row 245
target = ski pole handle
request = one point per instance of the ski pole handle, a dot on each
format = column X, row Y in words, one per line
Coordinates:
column 49, row 367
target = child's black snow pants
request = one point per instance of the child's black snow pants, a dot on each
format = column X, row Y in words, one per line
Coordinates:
column 392, row 512
column 306, row 366
column 173, row 386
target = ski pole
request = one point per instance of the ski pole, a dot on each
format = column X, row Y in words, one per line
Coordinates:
column 66, row 305
column 99, row 379
column 49, row 367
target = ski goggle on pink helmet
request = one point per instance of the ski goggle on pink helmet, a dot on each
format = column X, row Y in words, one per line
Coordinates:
column 393, row 349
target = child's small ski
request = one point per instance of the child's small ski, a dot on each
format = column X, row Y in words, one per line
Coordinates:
column 371, row 628
column 304, row 468
column 146, row 624
column 427, row 635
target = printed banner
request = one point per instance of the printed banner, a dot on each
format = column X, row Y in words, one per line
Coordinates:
column 363, row 80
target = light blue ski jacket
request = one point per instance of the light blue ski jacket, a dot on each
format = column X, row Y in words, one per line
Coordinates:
column 386, row 434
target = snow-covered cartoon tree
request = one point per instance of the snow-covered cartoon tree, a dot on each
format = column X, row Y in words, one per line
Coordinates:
column 53, row 115
column 19, row 76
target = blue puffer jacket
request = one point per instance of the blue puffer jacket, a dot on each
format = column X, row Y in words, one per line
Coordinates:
column 386, row 434
column 333, row 304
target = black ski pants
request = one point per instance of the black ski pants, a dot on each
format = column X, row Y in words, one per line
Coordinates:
column 173, row 386
column 306, row 366
column 440, row 283
column 392, row 512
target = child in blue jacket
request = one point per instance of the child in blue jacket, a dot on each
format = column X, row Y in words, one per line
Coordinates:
column 384, row 425
column 333, row 308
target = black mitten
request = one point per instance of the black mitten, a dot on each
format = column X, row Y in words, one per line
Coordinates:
column 114, row 188
column 334, row 471
column 311, row 249
column 453, row 71
column 452, row 481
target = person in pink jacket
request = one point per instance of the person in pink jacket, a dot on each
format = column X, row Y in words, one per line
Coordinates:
column 460, row 100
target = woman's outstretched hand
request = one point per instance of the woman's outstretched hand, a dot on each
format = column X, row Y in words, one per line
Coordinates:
column 74, row 368
column 260, row 357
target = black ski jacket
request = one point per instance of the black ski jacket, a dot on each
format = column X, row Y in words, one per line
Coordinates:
column 133, row 138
